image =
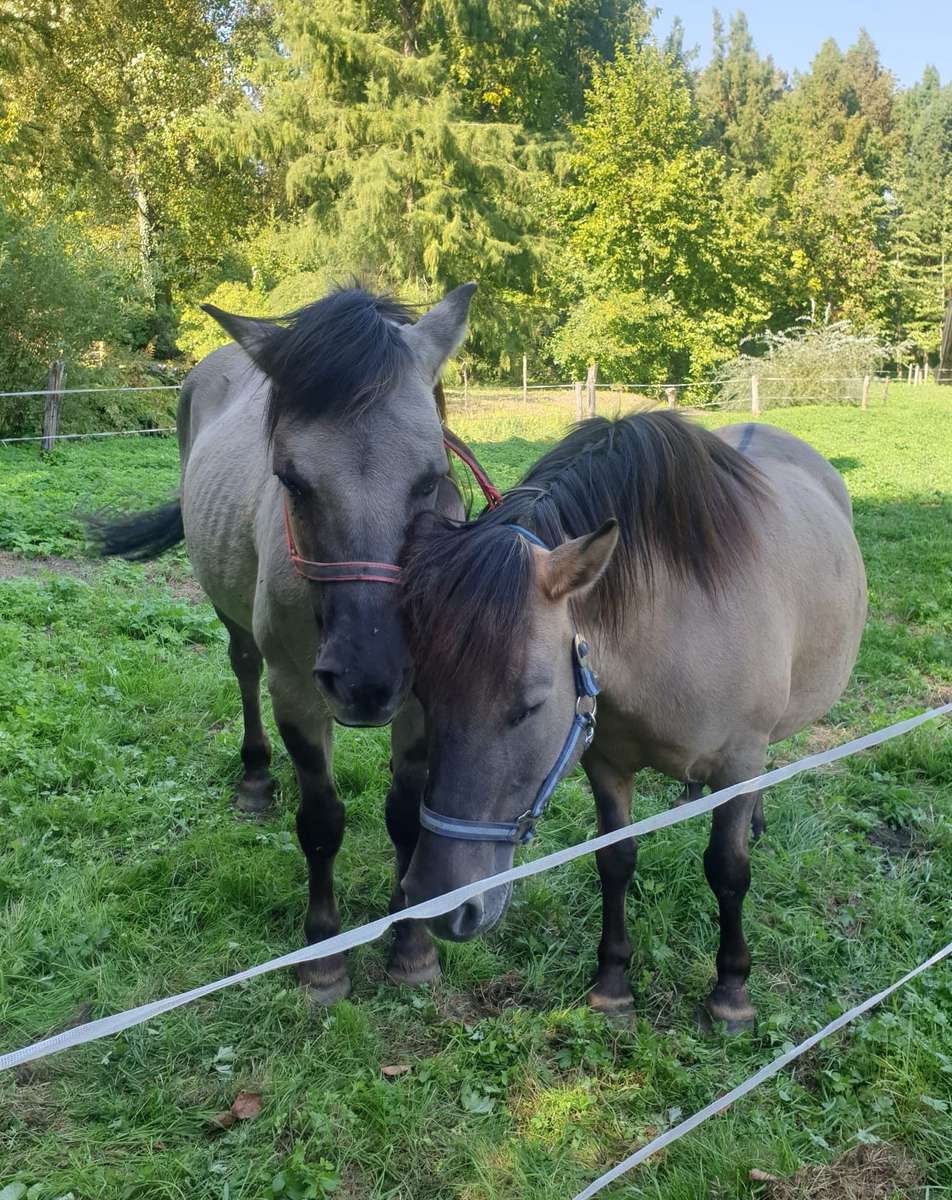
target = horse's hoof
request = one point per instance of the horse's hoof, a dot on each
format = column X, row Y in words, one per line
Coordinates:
column 612, row 1004
column 255, row 795
column 413, row 974
column 320, row 990
column 719, row 1016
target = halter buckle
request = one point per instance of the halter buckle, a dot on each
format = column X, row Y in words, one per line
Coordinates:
column 524, row 827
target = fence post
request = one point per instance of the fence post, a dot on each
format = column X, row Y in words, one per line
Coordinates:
column 885, row 388
column 672, row 396
column 909, row 380
column 525, row 379
column 864, row 403
column 925, row 371
column 755, row 395
column 590, row 384
column 578, row 400
column 55, row 377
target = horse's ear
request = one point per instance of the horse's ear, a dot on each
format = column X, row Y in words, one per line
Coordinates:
column 576, row 565
column 439, row 333
column 252, row 334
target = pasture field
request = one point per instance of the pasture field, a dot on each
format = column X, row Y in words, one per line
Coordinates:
column 125, row 875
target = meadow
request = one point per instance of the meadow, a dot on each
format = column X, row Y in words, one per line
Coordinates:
column 125, row 875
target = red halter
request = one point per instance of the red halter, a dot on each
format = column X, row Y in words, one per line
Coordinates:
column 376, row 572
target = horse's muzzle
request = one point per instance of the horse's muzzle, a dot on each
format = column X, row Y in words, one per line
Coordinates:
column 475, row 917
column 355, row 700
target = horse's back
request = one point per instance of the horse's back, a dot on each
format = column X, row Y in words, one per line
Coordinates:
column 222, row 379
column 771, row 448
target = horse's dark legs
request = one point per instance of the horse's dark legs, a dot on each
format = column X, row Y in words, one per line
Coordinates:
column 413, row 958
column 758, row 824
column 727, row 867
column 256, row 789
column 616, row 865
column 308, row 733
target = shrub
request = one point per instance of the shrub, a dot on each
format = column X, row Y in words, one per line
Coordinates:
column 814, row 365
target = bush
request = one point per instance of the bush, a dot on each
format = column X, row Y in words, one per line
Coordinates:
column 816, row 365
column 57, row 297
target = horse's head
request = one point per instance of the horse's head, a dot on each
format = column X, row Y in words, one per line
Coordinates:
column 357, row 447
column 493, row 638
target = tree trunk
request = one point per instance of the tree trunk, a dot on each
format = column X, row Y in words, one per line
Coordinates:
column 144, row 222
column 409, row 19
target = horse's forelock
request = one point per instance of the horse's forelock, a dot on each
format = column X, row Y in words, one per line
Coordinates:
column 465, row 593
column 336, row 356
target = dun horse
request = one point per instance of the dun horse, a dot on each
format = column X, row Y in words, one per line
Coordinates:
column 306, row 451
column 718, row 582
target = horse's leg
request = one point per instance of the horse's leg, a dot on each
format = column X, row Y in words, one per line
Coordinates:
column 256, row 789
column 692, row 791
column 758, row 822
column 307, row 731
column 758, row 825
column 727, row 868
column 413, row 958
column 616, row 865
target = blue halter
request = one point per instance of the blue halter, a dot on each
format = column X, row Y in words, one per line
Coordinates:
column 522, row 829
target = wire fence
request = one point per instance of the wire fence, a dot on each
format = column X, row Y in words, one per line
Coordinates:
column 575, row 399
column 116, row 1023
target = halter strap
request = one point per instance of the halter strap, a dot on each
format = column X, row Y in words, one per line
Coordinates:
column 360, row 571
column 464, row 454
column 522, row 829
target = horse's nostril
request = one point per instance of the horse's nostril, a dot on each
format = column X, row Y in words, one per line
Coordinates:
column 327, row 680
column 465, row 921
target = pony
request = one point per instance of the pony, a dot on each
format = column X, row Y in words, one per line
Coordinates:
column 715, row 580
column 307, row 448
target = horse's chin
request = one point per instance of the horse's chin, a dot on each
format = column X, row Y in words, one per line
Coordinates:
column 360, row 717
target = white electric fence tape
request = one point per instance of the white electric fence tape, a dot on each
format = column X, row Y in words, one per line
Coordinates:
column 448, row 901
column 725, row 1101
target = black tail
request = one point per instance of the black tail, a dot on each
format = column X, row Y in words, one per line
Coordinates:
column 137, row 536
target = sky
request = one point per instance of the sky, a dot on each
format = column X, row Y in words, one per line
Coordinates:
column 909, row 35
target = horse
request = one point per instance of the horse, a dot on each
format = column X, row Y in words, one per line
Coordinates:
column 307, row 447
column 715, row 580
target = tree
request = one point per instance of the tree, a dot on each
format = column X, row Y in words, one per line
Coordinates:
column 407, row 141
column 735, row 93
column 672, row 278
column 922, row 192
column 103, row 115
column 829, row 143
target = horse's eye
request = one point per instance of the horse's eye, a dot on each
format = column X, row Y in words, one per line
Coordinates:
column 292, row 486
column 427, row 487
column 524, row 714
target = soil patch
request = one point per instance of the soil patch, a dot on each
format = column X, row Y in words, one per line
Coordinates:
column 864, row 1173
column 12, row 566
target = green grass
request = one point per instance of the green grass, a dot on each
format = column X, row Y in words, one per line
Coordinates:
column 124, row 876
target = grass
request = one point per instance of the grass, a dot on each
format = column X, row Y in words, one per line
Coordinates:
column 124, row 876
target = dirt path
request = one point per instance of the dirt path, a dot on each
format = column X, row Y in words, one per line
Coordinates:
column 13, row 566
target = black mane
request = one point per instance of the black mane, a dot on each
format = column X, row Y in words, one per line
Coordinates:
column 682, row 498
column 335, row 356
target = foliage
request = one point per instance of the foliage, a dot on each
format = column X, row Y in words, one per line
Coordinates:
column 615, row 202
column 57, row 296
column 668, row 274
column 822, row 364
column 119, row 751
column 103, row 117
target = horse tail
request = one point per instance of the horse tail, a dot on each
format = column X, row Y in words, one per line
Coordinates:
column 137, row 536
